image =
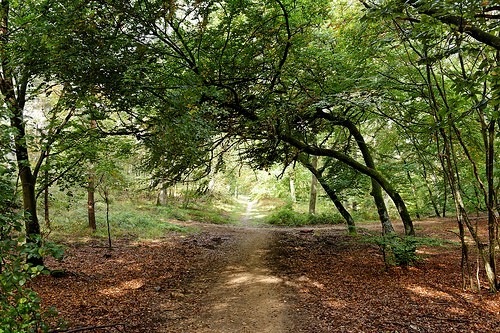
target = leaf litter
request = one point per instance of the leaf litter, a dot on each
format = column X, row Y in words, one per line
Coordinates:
column 321, row 281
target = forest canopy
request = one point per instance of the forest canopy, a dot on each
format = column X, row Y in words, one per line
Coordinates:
column 395, row 99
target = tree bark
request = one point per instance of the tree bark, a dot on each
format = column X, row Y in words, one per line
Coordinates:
column 46, row 195
column 293, row 196
column 376, row 192
column 28, row 181
column 460, row 23
column 373, row 173
column 91, row 190
column 15, row 105
column 351, row 226
column 431, row 195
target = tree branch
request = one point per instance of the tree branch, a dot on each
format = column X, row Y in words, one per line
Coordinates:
column 463, row 25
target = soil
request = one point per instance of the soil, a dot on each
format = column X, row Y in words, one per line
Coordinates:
column 246, row 279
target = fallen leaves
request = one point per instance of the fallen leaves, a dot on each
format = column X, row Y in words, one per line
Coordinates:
column 335, row 284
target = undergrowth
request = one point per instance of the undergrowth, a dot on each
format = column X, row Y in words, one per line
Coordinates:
column 142, row 220
column 286, row 216
column 402, row 250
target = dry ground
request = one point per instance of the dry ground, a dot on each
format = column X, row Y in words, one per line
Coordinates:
column 243, row 279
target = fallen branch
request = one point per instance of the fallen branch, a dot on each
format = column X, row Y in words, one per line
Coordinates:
column 87, row 328
column 457, row 320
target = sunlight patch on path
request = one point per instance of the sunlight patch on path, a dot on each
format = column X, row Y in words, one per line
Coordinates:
column 249, row 214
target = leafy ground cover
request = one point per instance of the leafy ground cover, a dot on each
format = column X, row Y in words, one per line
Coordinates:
column 322, row 281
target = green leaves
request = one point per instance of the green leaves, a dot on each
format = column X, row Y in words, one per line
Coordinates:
column 19, row 306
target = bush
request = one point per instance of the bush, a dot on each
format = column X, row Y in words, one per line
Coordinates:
column 286, row 216
column 19, row 306
column 325, row 218
column 397, row 250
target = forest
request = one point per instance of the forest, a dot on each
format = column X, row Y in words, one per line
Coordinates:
column 339, row 157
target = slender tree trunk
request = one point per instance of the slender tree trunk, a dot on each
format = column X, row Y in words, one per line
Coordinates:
column 489, row 136
column 91, row 189
column 314, row 190
column 351, row 226
column 371, row 172
column 293, row 196
column 27, row 183
column 46, row 194
column 462, row 218
column 492, row 218
column 107, row 217
column 91, row 201
column 15, row 105
column 431, row 195
column 412, row 184
column 376, row 192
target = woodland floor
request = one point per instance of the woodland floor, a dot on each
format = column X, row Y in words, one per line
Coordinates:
column 245, row 279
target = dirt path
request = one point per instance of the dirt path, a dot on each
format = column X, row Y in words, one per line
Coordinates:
column 245, row 295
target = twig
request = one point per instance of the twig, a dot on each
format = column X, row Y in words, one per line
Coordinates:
column 446, row 319
column 87, row 328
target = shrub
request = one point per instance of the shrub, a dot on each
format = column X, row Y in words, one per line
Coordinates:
column 286, row 216
column 397, row 250
column 19, row 306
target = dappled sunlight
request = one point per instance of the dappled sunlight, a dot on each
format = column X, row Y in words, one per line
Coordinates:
column 430, row 292
column 247, row 278
column 336, row 304
column 123, row 288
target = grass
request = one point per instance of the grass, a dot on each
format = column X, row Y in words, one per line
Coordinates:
column 137, row 219
column 287, row 216
column 141, row 219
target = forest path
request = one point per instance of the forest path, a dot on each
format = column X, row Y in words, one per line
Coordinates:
column 244, row 295
column 243, row 279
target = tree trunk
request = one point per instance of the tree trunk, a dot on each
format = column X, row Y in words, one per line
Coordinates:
column 376, row 192
column 490, row 202
column 314, row 190
column 293, row 196
column 431, row 195
column 91, row 201
column 27, row 183
column 351, row 226
column 15, row 105
column 331, row 194
column 46, row 194
column 373, row 173
column 91, row 189
column 462, row 216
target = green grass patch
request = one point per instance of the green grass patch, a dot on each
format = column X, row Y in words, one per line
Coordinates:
column 126, row 220
column 286, row 216
column 129, row 219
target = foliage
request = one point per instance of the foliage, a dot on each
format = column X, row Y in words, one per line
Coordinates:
column 286, row 216
column 397, row 250
column 402, row 250
column 127, row 219
column 19, row 305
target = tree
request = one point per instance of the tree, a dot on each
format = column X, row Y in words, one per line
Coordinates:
column 453, row 55
column 258, row 92
column 330, row 191
column 314, row 192
column 14, row 79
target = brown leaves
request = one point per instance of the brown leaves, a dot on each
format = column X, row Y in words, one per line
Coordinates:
column 334, row 283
